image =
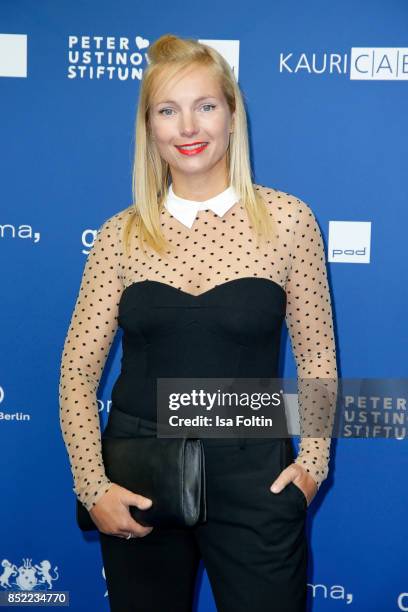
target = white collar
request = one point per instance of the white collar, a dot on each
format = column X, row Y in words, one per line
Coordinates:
column 186, row 210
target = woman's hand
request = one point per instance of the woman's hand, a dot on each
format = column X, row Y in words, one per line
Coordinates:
column 111, row 512
column 300, row 478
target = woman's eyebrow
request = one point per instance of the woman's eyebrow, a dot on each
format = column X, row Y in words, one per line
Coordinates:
column 174, row 102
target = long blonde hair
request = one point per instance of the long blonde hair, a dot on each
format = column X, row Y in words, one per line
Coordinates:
column 168, row 56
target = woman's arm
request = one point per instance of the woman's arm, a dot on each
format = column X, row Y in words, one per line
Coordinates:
column 90, row 335
column 310, row 325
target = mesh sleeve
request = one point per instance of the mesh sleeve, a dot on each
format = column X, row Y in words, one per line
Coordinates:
column 90, row 335
column 310, row 326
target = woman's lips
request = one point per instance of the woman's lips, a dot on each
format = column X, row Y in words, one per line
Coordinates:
column 195, row 151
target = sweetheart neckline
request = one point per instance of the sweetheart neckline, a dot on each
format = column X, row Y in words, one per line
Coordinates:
column 207, row 291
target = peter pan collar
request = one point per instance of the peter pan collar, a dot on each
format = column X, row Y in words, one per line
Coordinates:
column 186, row 210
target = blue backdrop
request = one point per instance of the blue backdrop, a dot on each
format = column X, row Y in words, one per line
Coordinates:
column 326, row 91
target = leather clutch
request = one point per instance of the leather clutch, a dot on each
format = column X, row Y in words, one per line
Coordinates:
column 169, row 471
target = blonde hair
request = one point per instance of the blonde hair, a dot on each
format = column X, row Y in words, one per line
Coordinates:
column 168, row 56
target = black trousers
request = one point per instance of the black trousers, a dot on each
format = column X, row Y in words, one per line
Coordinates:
column 253, row 544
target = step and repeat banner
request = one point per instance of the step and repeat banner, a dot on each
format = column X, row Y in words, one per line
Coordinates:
column 327, row 94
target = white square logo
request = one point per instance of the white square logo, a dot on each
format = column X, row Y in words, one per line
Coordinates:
column 13, row 55
column 379, row 63
column 229, row 49
column 349, row 241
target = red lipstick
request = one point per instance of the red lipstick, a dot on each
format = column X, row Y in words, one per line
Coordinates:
column 194, row 151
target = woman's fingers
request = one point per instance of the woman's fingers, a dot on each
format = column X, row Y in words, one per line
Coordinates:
column 143, row 503
column 112, row 516
column 135, row 499
column 300, row 478
column 284, row 478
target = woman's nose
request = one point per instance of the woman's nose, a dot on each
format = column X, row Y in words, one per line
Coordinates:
column 188, row 125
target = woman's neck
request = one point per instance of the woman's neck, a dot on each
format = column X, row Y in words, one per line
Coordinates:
column 198, row 188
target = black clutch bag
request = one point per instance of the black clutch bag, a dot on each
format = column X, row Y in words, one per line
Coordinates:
column 169, row 471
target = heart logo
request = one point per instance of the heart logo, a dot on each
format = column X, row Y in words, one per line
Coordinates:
column 141, row 42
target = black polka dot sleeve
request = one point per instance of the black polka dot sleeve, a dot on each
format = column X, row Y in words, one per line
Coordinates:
column 87, row 343
column 310, row 325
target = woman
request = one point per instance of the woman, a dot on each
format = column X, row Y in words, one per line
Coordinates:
column 200, row 273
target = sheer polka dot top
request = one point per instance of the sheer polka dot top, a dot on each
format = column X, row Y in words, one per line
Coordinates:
column 214, row 250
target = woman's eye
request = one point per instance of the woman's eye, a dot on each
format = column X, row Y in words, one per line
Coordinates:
column 163, row 111
column 166, row 112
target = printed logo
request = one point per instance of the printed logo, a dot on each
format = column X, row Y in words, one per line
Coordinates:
column 104, row 406
column 104, row 577
column 13, row 55
column 349, row 241
column 229, row 49
column 363, row 63
column 12, row 416
column 107, row 57
column 123, row 58
column 334, row 591
column 28, row 577
column 379, row 63
column 24, row 232
column 402, row 602
column 88, row 238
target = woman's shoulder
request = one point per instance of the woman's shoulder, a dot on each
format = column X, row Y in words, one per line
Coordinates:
column 285, row 206
column 110, row 230
column 279, row 198
column 120, row 217
column 117, row 220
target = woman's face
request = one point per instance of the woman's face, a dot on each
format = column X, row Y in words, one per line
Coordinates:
column 191, row 109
